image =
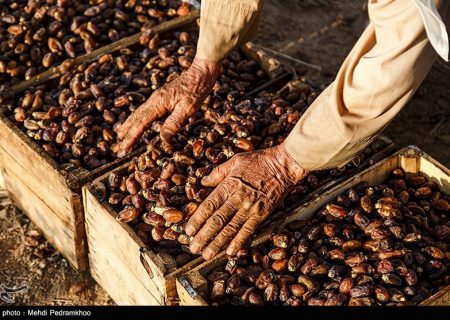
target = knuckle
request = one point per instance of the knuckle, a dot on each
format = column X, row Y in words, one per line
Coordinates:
column 214, row 247
column 228, row 233
column 206, row 207
column 209, row 205
column 247, row 230
column 217, row 221
column 172, row 123
column 229, row 184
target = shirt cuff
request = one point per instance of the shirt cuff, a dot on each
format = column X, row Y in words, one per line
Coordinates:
column 226, row 24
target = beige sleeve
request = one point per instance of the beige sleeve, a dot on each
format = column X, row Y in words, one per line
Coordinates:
column 377, row 79
column 226, row 24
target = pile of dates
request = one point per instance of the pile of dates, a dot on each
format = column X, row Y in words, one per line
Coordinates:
column 75, row 120
column 386, row 244
column 38, row 34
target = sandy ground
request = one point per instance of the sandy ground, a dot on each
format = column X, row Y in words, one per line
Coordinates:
column 316, row 31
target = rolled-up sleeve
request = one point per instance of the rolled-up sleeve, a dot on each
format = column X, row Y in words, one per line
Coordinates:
column 377, row 79
column 226, row 24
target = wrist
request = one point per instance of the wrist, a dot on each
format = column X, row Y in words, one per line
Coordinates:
column 287, row 163
column 205, row 69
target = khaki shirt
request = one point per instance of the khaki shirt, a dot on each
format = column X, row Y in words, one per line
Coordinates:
column 379, row 76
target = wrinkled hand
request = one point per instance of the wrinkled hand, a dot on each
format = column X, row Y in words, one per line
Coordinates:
column 182, row 97
column 250, row 186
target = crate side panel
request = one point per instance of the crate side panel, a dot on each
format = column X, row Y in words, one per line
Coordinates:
column 103, row 229
column 110, row 273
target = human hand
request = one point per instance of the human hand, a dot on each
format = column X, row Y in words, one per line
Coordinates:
column 249, row 187
column 182, row 97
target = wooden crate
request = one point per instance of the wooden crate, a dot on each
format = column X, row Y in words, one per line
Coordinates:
column 193, row 287
column 120, row 262
column 50, row 194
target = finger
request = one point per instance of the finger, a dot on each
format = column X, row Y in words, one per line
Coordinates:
column 246, row 231
column 218, row 174
column 175, row 121
column 129, row 123
column 211, row 204
column 132, row 136
column 124, row 127
column 146, row 114
column 213, row 225
column 226, row 235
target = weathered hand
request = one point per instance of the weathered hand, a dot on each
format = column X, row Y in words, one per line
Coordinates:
column 182, row 97
column 250, row 186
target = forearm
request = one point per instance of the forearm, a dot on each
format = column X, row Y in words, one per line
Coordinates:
column 377, row 79
column 226, row 24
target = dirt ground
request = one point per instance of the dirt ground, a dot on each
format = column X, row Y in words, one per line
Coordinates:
column 316, row 31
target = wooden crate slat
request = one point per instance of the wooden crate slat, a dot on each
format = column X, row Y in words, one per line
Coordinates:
column 441, row 298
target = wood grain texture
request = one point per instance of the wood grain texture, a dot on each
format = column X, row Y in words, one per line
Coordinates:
column 411, row 158
column 269, row 64
column 103, row 231
column 107, row 270
column 441, row 298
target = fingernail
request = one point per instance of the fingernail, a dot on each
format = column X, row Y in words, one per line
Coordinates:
column 194, row 247
column 121, row 153
column 189, row 231
column 208, row 254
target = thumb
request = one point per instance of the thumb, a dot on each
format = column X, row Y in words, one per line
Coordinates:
column 175, row 121
column 218, row 174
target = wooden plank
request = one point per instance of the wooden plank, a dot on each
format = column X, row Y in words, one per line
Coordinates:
column 58, row 71
column 103, row 228
column 59, row 202
column 107, row 269
column 35, row 165
column 191, row 286
column 269, row 64
column 436, row 172
column 81, row 248
column 54, row 229
column 441, row 298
